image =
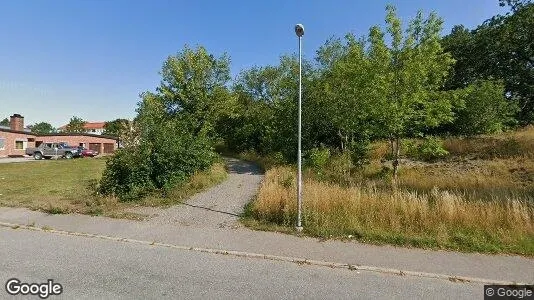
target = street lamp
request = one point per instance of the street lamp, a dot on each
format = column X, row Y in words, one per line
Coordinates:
column 299, row 30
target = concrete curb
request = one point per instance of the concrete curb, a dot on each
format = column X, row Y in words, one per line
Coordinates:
column 297, row 260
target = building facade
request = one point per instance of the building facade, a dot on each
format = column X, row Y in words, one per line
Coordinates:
column 14, row 140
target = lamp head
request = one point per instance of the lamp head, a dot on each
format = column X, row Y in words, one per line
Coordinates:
column 299, row 30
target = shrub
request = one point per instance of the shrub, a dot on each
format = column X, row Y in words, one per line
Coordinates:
column 484, row 109
column 431, row 148
column 318, row 157
column 157, row 163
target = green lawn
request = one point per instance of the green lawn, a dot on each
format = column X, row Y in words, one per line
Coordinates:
column 66, row 186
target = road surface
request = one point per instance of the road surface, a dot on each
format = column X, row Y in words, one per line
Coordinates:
column 103, row 269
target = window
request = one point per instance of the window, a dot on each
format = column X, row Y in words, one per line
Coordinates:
column 2, row 143
column 19, row 145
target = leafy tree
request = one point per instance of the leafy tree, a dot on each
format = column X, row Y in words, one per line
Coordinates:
column 76, row 125
column 484, row 109
column 415, row 67
column 175, row 127
column 4, row 122
column 502, row 48
column 42, row 128
column 116, row 127
column 194, row 89
column 514, row 4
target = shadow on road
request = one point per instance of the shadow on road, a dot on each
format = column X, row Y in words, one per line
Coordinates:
column 210, row 209
column 240, row 167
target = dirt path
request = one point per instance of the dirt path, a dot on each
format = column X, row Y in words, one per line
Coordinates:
column 218, row 207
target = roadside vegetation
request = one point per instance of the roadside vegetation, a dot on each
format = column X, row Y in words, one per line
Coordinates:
column 467, row 201
column 419, row 141
column 70, row 186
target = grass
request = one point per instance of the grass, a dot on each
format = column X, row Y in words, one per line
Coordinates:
column 67, row 186
column 467, row 202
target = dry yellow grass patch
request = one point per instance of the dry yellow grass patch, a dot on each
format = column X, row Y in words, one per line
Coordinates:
column 439, row 218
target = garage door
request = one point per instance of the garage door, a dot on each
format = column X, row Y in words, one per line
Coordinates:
column 94, row 146
column 108, row 147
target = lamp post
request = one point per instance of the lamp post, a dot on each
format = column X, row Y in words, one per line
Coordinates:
column 299, row 30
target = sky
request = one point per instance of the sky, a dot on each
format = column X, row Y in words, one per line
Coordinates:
column 92, row 58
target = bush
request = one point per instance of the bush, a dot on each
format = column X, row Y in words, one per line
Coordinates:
column 318, row 157
column 484, row 110
column 157, row 163
column 431, row 148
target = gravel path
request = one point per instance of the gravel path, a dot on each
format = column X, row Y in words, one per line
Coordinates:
column 219, row 206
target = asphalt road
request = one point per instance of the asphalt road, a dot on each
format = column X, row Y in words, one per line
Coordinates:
column 104, row 269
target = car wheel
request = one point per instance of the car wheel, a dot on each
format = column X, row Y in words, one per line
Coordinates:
column 68, row 155
column 38, row 155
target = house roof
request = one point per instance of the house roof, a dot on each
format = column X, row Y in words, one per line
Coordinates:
column 7, row 129
column 59, row 134
column 89, row 125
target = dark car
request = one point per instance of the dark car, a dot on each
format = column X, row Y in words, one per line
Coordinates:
column 84, row 152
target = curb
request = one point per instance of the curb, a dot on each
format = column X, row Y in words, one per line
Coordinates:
column 297, row 260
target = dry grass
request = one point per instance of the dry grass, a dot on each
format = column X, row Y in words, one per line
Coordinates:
column 518, row 143
column 67, row 186
column 436, row 219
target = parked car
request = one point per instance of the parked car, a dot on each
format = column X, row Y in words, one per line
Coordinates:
column 84, row 152
column 49, row 150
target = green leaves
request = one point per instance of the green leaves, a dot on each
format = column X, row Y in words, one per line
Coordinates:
column 42, row 128
column 501, row 48
column 76, row 125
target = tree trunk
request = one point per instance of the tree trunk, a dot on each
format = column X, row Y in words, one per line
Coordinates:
column 342, row 138
column 396, row 161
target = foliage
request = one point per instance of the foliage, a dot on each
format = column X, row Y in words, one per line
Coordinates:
column 117, row 127
column 430, row 149
column 174, row 128
column 484, row 109
column 318, row 157
column 168, row 158
column 194, row 90
column 502, row 48
column 4, row 122
column 42, row 128
column 75, row 125
column 414, row 68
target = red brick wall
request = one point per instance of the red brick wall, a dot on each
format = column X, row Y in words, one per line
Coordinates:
column 16, row 122
column 9, row 139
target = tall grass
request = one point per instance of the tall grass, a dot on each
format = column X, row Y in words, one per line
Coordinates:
column 436, row 219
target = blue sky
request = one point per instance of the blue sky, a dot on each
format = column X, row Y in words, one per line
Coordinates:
column 92, row 58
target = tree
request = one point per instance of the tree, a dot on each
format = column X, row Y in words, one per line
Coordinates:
column 116, row 127
column 415, row 67
column 42, row 128
column 194, row 89
column 4, row 122
column 484, row 109
column 176, row 127
column 502, row 48
column 76, row 125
